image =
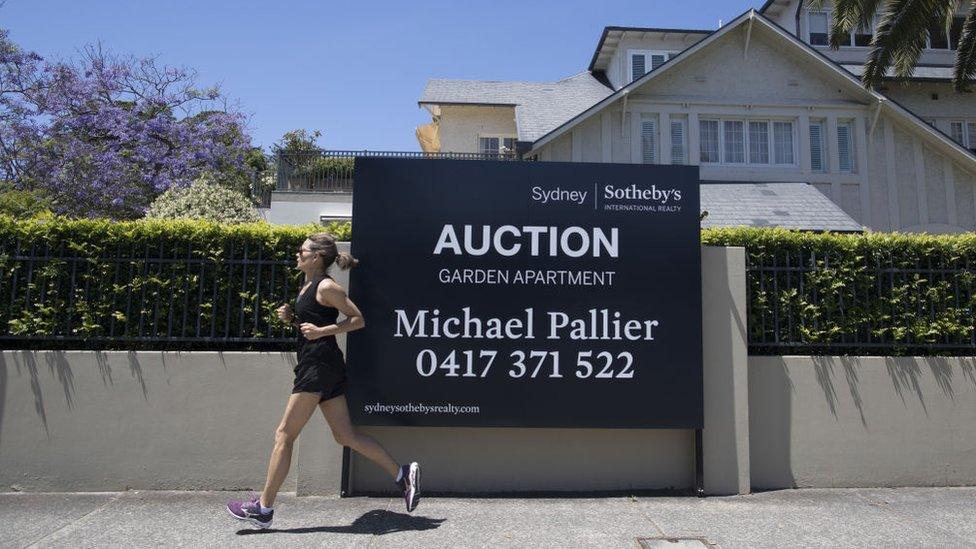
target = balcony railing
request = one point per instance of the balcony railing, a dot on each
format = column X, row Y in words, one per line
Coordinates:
column 332, row 171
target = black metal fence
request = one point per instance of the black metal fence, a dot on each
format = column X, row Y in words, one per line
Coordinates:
column 333, row 171
column 799, row 302
column 177, row 297
column 144, row 297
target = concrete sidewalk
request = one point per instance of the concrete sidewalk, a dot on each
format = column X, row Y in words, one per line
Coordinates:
column 904, row 517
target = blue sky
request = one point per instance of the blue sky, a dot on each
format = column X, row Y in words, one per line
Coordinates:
column 353, row 70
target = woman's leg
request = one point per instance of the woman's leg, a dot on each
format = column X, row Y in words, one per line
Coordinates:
column 337, row 415
column 300, row 407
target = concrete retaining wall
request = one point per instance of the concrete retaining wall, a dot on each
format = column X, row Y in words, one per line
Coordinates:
column 105, row 421
column 97, row 421
column 862, row 421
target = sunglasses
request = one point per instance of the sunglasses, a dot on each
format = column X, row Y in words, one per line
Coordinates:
column 303, row 251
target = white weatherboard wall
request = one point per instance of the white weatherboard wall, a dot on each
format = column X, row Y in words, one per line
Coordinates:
column 902, row 180
column 949, row 104
column 462, row 125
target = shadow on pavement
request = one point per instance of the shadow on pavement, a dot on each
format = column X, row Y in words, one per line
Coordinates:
column 376, row 522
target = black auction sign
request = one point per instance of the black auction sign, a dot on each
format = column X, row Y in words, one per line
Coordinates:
column 526, row 294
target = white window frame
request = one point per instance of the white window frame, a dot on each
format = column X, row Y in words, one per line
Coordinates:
column 701, row 140
column 809, row 27
column 745, row 124
column 853, row 41
column 646, row 53
column 948, row 36
column 968, row 132
column 501, row 142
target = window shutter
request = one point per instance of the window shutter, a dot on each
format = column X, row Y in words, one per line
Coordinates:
column 844, row 151
column 657, row 61
column 678, row 142
column 637, row 66
column 971, row 131
column 648, row 141
column 816, row 148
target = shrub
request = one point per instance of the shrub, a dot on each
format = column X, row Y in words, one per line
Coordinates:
column 23, row 204
column 206, row 200
column 148, row 284
column 324, row 167
column 893, row 293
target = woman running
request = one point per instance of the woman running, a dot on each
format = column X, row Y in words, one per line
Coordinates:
column 320, row 380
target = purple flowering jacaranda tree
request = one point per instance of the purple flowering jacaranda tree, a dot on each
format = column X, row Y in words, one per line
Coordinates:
column 102, row 135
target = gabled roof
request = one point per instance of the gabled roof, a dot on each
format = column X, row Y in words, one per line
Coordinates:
column 613, row 35
column 789, row 205
column 539, row 106
column 889, row 106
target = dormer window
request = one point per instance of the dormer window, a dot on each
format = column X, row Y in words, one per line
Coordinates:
column 819, row 24
column 818, row 29
column 644, row 61
column 865, row 33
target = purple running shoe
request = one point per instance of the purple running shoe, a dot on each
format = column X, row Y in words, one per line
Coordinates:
column 410, row 484
column 249, row 510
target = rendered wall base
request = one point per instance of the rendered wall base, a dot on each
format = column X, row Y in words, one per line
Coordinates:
column 827, row 422
column 105, row 421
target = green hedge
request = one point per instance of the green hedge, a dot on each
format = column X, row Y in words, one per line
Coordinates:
column 872, row 293
column 148, row 283
column 131, row 285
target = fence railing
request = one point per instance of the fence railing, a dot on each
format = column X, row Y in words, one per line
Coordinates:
column 333, row 171
column 175, row 296
column 144, row 297
column 799, row 302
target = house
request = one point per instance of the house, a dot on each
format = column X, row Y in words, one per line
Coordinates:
column 757, row 104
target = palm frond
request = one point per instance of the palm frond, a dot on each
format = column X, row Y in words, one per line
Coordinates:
column 848, row 15
column 900, row 37
column 966, row 53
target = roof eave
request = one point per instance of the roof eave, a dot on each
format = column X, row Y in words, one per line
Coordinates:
column 465, row 104
column 606, row 31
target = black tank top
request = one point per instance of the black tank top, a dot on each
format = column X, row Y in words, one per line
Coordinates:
column 308, row 309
